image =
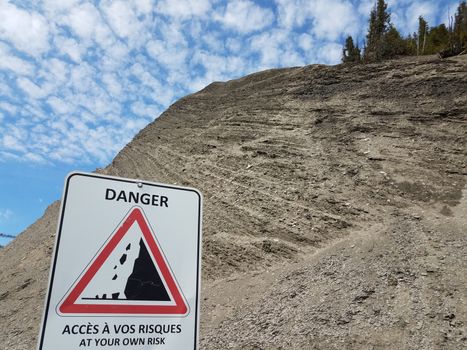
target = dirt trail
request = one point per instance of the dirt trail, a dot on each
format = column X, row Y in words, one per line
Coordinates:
column 335, row 208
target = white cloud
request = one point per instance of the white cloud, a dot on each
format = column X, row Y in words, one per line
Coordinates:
column 5, row 215
column 234, row 44
column 291, row 58
column 82, row 78
column 171, row 52
column 84, row 20
column 55, row 71
column 11, row 109
column 291, row 13
column 13, row 63
column 155, row 90
column 53, row 7
column 6, row 155
column 33, row 157
column 146, row 110
column 27, row 31
column 330, row 53
column 167, row 54
column 70, row 47
column 330, row 19
column 305, row 41
column 270, row 45
column 245, row 16
column 87, row 24
column 364, row 7
column 12, row 143
column 122, row 18
column 216, row 67
column 183, row 9
column 173, row 34
column 213, row 42
column 406, row 18
column 112, row 83
column 114, row 57
column 59, row 106
column 32, row 89
column 5, row 89
column 143, row 7
column 333, row 18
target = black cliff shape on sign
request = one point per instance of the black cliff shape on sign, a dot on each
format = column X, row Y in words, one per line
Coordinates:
column 144, row 282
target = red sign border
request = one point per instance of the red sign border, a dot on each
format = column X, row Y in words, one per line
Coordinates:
column 69, row 306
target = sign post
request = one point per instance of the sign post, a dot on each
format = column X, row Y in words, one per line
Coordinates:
column 126, row 267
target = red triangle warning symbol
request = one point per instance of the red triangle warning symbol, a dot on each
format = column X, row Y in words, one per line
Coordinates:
column 128, row 276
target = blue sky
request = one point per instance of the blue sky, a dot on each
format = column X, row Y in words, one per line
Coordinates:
column 78, row 79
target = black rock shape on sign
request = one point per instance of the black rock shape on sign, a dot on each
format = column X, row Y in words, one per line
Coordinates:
column 144, row 283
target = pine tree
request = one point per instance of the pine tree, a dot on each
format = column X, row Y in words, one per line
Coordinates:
column 410, row 43
column 422, row 35
column 457, row 33
column 394, row 45
column 351, row 52
column 438, row 38
column 379, row 25
column 460, row 27
column 371, row 38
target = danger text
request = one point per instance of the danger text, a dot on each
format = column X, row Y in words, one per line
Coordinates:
column 136, row 197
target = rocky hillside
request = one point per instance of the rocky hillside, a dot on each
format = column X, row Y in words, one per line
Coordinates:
column 335, row 208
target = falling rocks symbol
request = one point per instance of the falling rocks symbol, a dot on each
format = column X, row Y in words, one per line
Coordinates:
column 134, row 275
column 144, row 282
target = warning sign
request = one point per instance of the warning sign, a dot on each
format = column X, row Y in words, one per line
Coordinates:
column 129, row 276
column 126, row 266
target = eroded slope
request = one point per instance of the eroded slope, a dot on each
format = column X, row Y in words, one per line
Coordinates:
column 329, row 194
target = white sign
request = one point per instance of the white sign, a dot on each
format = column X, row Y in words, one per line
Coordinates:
column 125, row 272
